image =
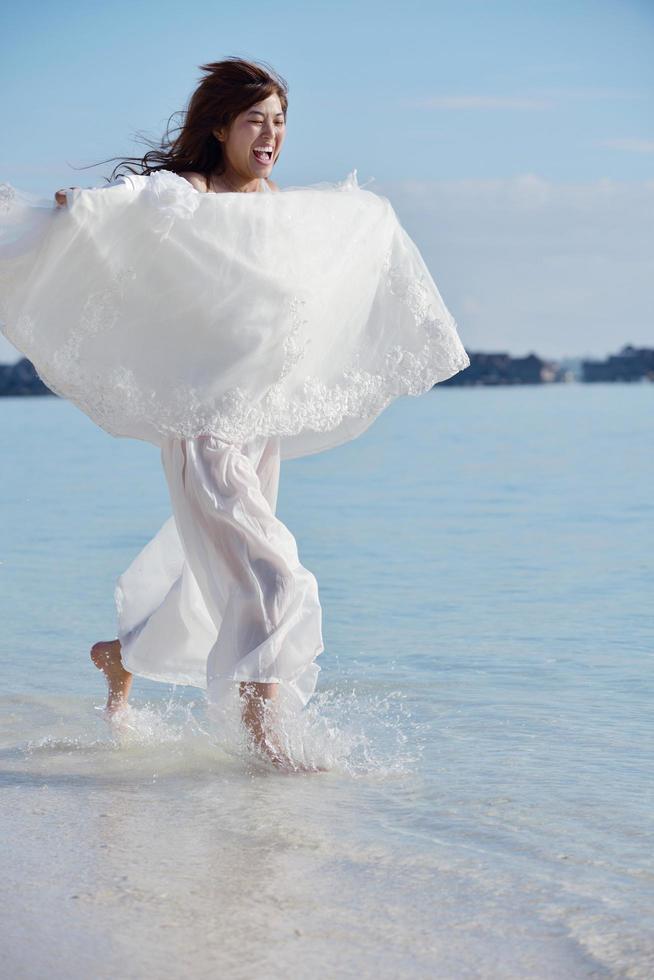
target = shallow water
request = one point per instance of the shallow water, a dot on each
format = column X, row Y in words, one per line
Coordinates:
column 485, row 566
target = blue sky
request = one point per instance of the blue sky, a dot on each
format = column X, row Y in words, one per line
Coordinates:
column 515, row 139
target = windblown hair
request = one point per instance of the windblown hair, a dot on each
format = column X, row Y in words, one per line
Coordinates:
column 228, row 88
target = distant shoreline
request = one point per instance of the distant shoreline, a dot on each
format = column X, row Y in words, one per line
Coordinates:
column 493, row 369
column 630, row 364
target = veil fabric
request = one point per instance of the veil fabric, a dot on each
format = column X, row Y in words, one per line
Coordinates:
column 162, row 311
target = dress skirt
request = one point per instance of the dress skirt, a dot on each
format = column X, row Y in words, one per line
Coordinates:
column 219, row 595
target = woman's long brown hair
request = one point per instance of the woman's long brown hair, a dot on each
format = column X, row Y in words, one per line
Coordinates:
column 228, row 88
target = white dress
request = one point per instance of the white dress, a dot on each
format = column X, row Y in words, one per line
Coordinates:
column 219, row 595
column 232, row 331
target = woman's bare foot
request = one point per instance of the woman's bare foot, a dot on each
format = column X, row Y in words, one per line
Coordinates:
column 106, row 657
column 255, row 699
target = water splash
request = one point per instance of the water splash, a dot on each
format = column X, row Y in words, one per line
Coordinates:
column 152, row 724
column 354, row 733
column 350, row 730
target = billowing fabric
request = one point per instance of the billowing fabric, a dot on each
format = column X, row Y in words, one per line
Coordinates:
column 219, row 594
column 163, row 312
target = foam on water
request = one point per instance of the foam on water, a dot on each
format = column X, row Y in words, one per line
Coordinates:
column 351, row 732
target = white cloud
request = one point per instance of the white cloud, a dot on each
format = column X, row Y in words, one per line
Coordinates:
column 630, row 145
column 546, row 99
column 590, row 93
column 482, row 102
column 529, row 264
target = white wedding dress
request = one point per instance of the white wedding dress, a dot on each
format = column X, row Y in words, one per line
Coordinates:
column 232, row 331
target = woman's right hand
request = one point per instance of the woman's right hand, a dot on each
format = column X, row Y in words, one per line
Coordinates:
column 61, row 199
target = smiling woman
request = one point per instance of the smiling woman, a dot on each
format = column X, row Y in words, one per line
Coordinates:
column 251, row 145
column 232, row 332
column 238, row 108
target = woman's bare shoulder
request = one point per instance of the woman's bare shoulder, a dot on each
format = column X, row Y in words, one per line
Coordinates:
column 198, row 181
column 194, row 178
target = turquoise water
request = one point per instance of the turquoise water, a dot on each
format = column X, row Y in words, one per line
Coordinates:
column 485, row 564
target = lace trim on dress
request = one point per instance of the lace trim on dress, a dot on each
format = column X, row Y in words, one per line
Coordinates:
column 359, row 393
column 120, row 403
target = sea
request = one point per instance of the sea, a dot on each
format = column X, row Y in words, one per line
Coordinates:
column 484, row 709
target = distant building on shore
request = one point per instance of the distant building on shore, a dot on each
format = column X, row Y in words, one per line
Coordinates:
column 21, row 378
column 630, row 364
column 502, row 369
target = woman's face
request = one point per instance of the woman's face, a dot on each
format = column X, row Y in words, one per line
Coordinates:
column 254, row 139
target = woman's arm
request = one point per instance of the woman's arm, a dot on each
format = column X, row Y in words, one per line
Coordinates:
column 61, row 199
column 197, row 180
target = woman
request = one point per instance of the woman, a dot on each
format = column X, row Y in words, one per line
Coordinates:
column 303, row 313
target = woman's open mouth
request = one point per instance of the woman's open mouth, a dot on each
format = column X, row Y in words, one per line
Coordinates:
column 263, row 153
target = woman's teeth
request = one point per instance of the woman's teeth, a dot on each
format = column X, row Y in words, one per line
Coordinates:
column 263, row 153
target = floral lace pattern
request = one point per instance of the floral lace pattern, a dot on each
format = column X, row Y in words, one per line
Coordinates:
column 99, row 313
column 414, row 346
column 115, row 399
column 7, row 197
